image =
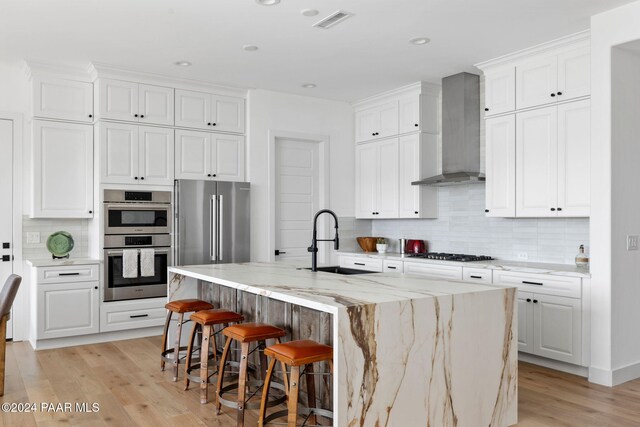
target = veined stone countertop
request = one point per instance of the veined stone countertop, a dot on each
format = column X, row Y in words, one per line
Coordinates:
column 496, row 264
column 49, row 262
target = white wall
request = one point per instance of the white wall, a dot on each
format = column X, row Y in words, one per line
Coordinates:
column 273, row 111
column 13, row 88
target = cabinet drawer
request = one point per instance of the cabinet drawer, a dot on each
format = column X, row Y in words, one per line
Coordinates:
column 541, row 283
column 68, row 273
column 361, row 263
column 434, row 271
column 477, row 275
column 389, row 266
column 116, row 316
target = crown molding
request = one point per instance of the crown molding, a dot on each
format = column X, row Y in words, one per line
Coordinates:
column 418, row 87
column 33, row 68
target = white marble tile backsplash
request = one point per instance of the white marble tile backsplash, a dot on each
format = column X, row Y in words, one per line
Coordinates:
column 78, row 228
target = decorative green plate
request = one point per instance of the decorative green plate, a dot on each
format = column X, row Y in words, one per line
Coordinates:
column 60, row 243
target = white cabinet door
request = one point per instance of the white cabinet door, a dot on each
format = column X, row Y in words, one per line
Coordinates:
column 155, row 104
column 537, row 82
column 387, row 123
column 387, row 177
column 68, row 309
column 537, row 163
column 409, row 171
column 156, row 151
column 525, row 322
column 409, row 114
column 62, row 170
column 193, row 155
column 63, row 99
column 227, row 113
column 434, row 271
column 227, row 157
column 558, row 328
column 501, row 166
column 500, row 91
column 365, row 123
column 574, row 142
column 118, row 100
column 574, row 74
column 193, row 109
column 118, row 153
column 366, row 180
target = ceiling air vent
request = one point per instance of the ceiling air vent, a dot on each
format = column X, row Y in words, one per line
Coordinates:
column 333, row 19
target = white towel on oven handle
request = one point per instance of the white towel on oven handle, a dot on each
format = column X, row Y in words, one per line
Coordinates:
column 147, row 262
column 130, row 263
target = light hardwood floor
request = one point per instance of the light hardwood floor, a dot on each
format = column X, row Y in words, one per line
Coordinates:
column 125, row 379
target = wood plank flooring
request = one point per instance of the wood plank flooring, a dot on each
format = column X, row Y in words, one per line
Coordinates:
column 125, row 379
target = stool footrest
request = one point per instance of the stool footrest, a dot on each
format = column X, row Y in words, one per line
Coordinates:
column 167, row 355
column 301, row 411
column 252, row 405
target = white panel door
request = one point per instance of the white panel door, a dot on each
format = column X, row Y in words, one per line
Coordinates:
column 227, row 113
column 297, row 198
column 409, row 114
column 62, row 170
column 365, row 123
column 574, row 158
column 155, row 104
column 118, row 100
column 227, row 157
column 409, row 171
column 119, row 153
column 6, row 213
column 501, row 166
column 387, row 120
column 558, row 328
column 537, row 82
column 537, row 163
column 193, row 155
column 574, row 74
column 525, row 322
column 155, row 158
column 500, row 91
column 68, row 309
column 193, row 109
column 63, row 99
column 366, row 180
column 387, row 174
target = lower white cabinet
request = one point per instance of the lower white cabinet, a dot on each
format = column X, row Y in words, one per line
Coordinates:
column 434, row 271
column 123, row 315
column 392, row 266
column 361, row 263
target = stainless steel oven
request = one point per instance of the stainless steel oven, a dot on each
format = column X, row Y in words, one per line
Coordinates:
column 117, row 287
column 137, row 212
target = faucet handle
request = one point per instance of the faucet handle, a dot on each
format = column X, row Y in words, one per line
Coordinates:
column 312, row 249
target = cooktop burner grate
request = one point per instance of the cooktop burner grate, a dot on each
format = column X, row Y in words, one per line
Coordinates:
column 443, row 256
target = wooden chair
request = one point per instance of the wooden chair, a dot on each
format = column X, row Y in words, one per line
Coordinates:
column 7, row 296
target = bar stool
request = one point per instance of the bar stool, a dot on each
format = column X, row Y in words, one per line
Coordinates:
column 303, row 353
column 181, row 306
column 245, row 334
column 204, row 321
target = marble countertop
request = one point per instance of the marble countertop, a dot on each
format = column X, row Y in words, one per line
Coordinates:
column 515, row 266
column 323, row 291
column 49, row 262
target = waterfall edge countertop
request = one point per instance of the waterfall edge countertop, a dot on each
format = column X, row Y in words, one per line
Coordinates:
column 407, row 350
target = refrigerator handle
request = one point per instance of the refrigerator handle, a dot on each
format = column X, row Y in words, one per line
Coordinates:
column 213, row 221
column 176, row 223
column 221, row 229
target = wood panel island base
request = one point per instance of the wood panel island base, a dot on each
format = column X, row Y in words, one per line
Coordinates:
column 408, row 351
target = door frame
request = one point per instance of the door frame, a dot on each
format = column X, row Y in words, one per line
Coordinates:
column 323, row 173
column 20, row 316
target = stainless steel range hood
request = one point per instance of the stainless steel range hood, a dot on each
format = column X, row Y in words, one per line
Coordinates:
column 460, row 132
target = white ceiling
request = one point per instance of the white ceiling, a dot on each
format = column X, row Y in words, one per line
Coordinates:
column 366, row 54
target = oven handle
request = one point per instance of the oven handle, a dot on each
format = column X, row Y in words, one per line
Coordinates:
column 119, row 251
column 137, row 206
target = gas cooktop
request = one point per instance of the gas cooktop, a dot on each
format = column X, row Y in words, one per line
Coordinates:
column 451, row 257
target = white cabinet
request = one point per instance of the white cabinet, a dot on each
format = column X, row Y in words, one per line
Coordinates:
column 525, row 322
column 574, row 74
column 62, row 99
column 132, row 314
column 419, row 112
column 377, row 179
column 417, row 154
column 500, row 157
column 434, row 271
column 203, row 155
column 136, row 154
column 477, row 275
column 206, row 111
column 499, row 90
column 377, row 122
column 392, row 266
column 361, row 263
column 62, row 170
column 134, row 102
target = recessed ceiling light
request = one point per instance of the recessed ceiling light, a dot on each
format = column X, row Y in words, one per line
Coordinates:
column 267, row 2
column 183, row 63
column 250, row 47
column 309, row 85
column 309, row 12
column 419, row 40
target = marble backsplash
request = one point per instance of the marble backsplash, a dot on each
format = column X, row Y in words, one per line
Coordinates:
column 78, row 228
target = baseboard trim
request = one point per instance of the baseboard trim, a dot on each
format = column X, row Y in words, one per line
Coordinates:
column 600, row 376
column 554, row 364
column 626, row 373
column 95, row 338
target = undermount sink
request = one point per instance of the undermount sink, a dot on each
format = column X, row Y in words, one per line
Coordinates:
column 342, row 270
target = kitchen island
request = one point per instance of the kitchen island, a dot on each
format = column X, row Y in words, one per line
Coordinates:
column 408, row 351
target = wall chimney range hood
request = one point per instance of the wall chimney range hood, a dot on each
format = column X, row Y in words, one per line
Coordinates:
column 460, row 132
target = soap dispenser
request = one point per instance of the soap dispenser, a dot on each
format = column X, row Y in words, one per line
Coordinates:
column 582, row 259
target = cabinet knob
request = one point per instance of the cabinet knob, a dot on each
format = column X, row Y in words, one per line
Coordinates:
column 553, row 95
column 135, row 115
column 90, row 212
column 208, row 174
column 486, row 109
column 142, row 116
column 373, row 134
column 486, row 210
column 528, row 299
column 559, row 209
column 535, row 301
column 416, row 212
column 135, row 177
column 416, row 125
column 213, row 124
column 559, row 93
column 95, row 287
column 553, row 209
column 214, row 175
column 90, row 115
column 209, row 124
column 142, row 177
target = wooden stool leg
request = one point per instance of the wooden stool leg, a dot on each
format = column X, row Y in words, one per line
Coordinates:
column 293, row 397
column 176, row 351
column 3, row 350
column 242, row 382
column 311, row 392
column 223, row 362
column 164, row 337
column 285, row 379
column 263, row 360
column 204, row 364
column 265, row 392
column 187, row 363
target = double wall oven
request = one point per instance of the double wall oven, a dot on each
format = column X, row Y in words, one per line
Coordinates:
column 135, row 220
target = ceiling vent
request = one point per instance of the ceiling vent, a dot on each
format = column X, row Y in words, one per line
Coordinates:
column 333, row 19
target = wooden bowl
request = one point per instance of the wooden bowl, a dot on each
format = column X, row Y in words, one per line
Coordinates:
column 368, row 244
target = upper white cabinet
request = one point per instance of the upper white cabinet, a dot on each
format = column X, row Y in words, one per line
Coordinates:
column 377, row 179
column 417, row 154
column 212, row 112
column 500, row 91
column 574, row 74
column 204, row 155
column 135, row 102
column 62, row 99
column 500, row 155
column 62, row 170
column 377, row 122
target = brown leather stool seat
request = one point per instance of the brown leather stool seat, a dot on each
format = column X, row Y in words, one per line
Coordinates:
column 204, row 322
column 181, row 306
column 248, row 332
column 296, row 354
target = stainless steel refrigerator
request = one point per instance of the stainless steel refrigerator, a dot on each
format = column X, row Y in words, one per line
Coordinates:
column 211, row 222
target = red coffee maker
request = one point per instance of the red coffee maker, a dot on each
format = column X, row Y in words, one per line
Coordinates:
column 415, row 247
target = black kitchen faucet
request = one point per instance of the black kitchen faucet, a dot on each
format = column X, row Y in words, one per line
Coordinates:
column 314, row 241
